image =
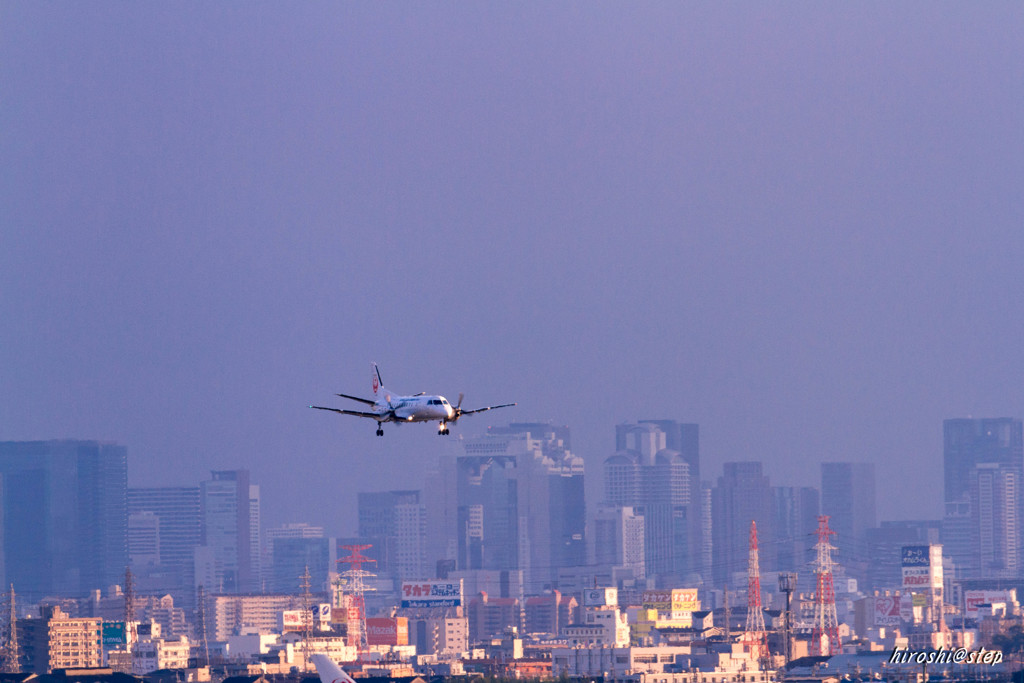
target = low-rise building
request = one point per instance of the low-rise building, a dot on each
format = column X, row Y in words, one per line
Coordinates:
column 489, row 617
column 441, row 636
column 152, row 654
column 601, row 626
column 229, row 615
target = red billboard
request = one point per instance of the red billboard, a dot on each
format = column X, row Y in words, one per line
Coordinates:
column 387, row 631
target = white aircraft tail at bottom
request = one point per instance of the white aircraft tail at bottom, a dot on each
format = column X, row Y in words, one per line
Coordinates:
column 329, row 671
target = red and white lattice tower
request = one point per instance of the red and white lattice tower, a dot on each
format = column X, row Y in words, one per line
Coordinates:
column 826, row 622
column 756, row 636
column 356, row 588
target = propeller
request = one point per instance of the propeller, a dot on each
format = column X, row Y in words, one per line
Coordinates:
column 458, row 408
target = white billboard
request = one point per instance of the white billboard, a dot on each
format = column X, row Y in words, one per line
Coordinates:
column 972, row 599
column 597, row 597
column 432, row 593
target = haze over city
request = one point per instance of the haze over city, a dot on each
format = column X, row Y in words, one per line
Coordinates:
column 796, row 225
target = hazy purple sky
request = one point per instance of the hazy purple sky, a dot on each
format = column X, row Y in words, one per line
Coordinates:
column 798, row 224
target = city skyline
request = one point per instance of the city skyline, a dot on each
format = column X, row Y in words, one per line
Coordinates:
column 595, row 494
column 796, row 226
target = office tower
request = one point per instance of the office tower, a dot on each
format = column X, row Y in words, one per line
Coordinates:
column 684, row 438
column 848, row 498
column 65, row 516
column 143, row 541
column 517, row 500
column 659, row 483
column 707, row 544
column 969, row 442
column 796, row 519
column 300, row 530
column 616, row 540
column 957, row 536
column 558, row 476
column 995, row 492
column 441, row 506
column 255, row 556
column 401, row 517
column 743, row 495
column 292, row 555
column 227, row 524
column 179, row 531
column 984, row 466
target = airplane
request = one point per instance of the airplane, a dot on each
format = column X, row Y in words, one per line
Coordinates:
column 388, row 407
column 329, row 671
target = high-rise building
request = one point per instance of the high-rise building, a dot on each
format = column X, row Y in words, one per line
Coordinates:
column 516, row 502
column 984, row 467
column 616, row 540
column 143, row 541
column 401, row 517
column 796, row 519
column 255, row 556
column 659, row 483
column 270, row 536
column 227, row 507
column 848, row 498
column 65, row 516
column 743, row 495
column 995, row 492
column 968, row 442
column 179, row 532
column 292, row 556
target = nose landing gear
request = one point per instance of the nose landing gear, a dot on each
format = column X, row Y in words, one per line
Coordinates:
column 380, row 431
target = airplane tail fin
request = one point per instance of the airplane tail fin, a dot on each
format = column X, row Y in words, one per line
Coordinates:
column 377, row 384
column 329, row 671
column 380, row 394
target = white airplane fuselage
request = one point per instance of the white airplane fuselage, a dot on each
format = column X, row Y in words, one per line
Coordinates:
column 414, row 409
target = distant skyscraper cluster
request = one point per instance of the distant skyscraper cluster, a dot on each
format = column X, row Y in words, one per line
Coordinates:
column 65, row 521
column 505, row 514
column 984, row 466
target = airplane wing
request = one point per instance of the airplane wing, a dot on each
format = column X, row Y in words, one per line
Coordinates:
column 350, row 412
column 356, row 398
column 329, row 671
column 480, row 410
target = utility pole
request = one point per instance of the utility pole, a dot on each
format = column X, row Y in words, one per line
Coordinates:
column 130, row 631
column 787, row 584
column 307, row 618
column 201, row 599
column 728, row 616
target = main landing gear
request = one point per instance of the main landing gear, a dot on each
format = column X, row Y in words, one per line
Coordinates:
column 380, row 431
column 442, row 429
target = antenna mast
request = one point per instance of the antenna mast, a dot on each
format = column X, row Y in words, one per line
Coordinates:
column 826, row 621
column 357, row 589
column 757, row 635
